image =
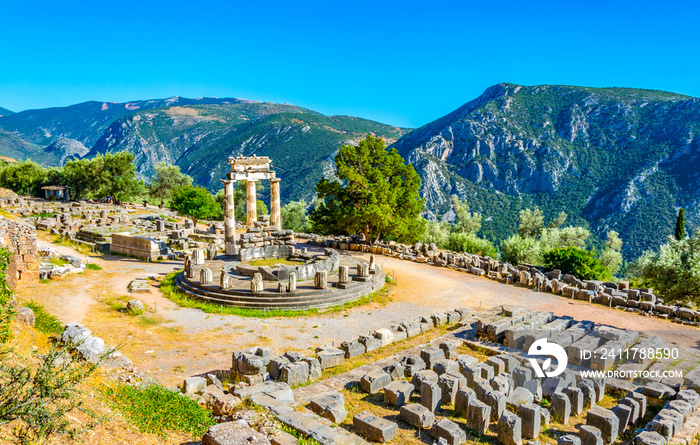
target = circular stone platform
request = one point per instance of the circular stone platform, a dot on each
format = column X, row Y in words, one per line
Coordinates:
column 306, row 295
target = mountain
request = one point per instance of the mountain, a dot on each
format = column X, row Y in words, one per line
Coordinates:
column 200, row 138
column 197, row 134
column 65, row 131
column 5, row 112
column 612, row 158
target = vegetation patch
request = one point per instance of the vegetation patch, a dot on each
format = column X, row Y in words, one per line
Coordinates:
column 45, row 322
column 93, row 266
column 271, row 262
column 157, row 410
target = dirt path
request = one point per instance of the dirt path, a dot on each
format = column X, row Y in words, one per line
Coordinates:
column 177, row 342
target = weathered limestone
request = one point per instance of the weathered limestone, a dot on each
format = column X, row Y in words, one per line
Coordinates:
column 229, row 218
column 649, row 438
column 205, row 276
column 430, row 395
column 496, row 401
column 352, row 348
column 590, row 435
column 374, row 428
column 224, row 279
column 530, row 420
column 331, row 406
column 362, row 270
column 449, row 384
column 448, row 431
column 295, row 374
column 256, row 284
column 412, row 364
column 461, row 404
column 233, row 432
column 478, row 416
column 211, row 251
column 292, row 284
column 330, row 357
column 429, row 355
column 371, row 266
column 606, row 421
column 321, row 279
column 509, row 429
column 275, row 208
column 375, row 380
column 575, row 396
column 417, row 416
column 398, row 393
column 569, row 439
column 251, row 203
column 343, row 274
column 561, row 408
column 198, row 257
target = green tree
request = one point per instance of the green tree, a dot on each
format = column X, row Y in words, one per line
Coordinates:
column 467, row 222
column 294, row 216
column 24, row 177
column 261, row 208
column 375, row 193
column 531, row 222
column 611, row 256
column 518, row 249
column 80, row 175
column 578, row 262
column 117, row 177
column 673, row 270
column 470, row 243
column 680, row 225
column 436, row 232
column 167, row 179
column 194, row 202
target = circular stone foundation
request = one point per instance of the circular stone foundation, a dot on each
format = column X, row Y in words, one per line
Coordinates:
column 306, row 296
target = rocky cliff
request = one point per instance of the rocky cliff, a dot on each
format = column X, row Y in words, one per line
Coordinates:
column 612, row 158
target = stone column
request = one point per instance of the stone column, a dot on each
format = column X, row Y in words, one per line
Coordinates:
column 229, row 219
column 275, row 211
column 251, row 204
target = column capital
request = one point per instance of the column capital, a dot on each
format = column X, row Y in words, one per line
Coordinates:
column 227, row 181
column 275, row 180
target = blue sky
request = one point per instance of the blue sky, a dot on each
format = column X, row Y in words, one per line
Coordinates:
column 404, row 63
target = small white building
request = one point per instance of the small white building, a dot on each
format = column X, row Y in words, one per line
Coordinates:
column 56, row 192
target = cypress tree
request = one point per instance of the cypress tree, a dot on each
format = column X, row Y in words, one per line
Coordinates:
column 680, row 225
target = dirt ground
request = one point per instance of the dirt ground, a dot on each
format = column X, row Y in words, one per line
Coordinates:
column 171, row 342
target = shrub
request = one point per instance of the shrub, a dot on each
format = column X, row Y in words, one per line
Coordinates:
column 469, row 243
column 520, row 249
column 578, row 262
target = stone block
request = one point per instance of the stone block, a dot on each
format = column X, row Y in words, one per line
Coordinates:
column 519, row 396
column 530, row 420
column 398, row 393
column 568, row 439
column 561, row 408
column 466, row 359
column 649, row 438
column 374, row 428
column 369, row 342
column 330, row 357
column 634, row 406
column 690, row 396
column 606, row 421
column 624, row 414
column 331, row 406
column 425, row 375
column 485, row 371
column 396, row 371
column 449, row 349
column 658, row 391
column 374, row 381
column 503, row 384
column 449, row 385
column 385, row 336
column 352, row 348
column 429, row 355
column 521, row 375
column 194, row 385
column 417, row 416
column 233, row 432
column 497, row 402
column 430, row 395
column 412, row 364
column 641, row 399
column 553, row 385
column 575, row 396
column 509, row 429
column 462, row 398
column 443, row 365
column 449, row 431
column 478, row 416
column 589, row 396
column 497, row 364
column 590, row 435
column 295, row 374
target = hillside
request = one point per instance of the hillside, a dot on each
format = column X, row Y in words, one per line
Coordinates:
column 73, row 130
column 612, row 158
column 200, row 138
column 5, row 112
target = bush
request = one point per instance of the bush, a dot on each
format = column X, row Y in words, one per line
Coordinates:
column 520, row 249
column 674, row 270
column 155, row 409
column 436, row 232
column 578, row 262
column 469, row 243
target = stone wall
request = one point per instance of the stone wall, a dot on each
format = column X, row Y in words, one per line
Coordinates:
column 20, row 239
column 265, row 242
